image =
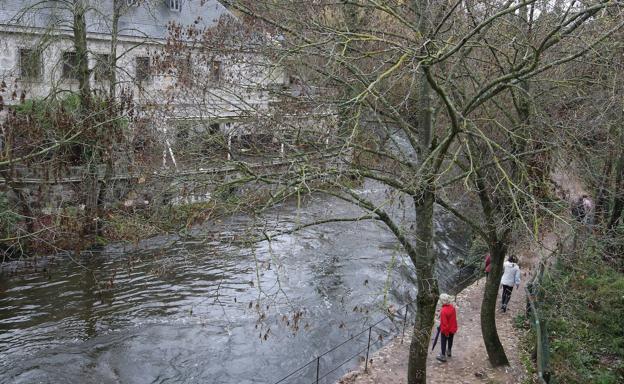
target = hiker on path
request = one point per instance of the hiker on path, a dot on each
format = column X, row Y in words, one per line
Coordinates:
column 511, row 277
column 448, row 326
column 488, row 267
column 578, row 209
column 588, row 209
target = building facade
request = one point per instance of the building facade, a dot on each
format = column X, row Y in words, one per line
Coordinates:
column 203, row 89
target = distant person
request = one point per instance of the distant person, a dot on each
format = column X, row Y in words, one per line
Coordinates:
column 488, row 267
column 588, row 209
column 511, row 277
column 448, row 326
column 578, row 209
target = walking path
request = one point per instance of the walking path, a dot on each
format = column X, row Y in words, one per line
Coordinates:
column 469, row 363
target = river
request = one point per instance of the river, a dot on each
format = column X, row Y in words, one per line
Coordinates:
column 204, row 309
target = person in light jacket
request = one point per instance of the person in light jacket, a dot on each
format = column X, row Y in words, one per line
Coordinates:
column 511, row 277
column 588, row 209
column 448, row 326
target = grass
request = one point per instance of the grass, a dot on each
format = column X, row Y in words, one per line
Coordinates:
column 583, row 309
column 521, row 321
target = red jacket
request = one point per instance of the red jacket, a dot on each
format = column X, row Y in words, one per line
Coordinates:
column 448, row 320
column 487, row 263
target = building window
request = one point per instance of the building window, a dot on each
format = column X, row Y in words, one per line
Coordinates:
column 70, row 65
column 30, row 64
column 175, row 5
column 215, row 70
column 142, row 68
column 102, row 71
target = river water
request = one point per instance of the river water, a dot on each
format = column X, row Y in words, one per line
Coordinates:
column 204, row 309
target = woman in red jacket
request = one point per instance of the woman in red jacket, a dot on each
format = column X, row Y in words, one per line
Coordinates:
column 448, row 326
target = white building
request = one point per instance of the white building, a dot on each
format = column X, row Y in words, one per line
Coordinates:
column 37, row 59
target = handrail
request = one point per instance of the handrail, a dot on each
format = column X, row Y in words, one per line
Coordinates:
column 390, row 316
column 538, row 331
column 531, row 294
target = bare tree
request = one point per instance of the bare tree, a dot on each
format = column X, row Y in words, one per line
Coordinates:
column 425, row 90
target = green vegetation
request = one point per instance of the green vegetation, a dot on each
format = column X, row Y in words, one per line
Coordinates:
column 583, row 308
column 137, row 224
column 9, row 221
column 8, row 218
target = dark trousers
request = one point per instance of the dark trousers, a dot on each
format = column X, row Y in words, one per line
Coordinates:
column 446, row 339
column 506, row 295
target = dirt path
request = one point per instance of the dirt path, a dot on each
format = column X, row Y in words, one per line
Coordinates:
column 469, row 363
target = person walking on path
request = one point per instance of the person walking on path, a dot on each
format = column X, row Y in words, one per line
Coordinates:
column 448, row 326
column 511, row 277
column 578, row 209
column 588, row 210
column 488, row 267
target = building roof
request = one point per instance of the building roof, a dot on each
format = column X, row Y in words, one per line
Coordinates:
column 148, row 19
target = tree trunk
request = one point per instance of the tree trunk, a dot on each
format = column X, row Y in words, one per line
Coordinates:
column 602, row 198
column 427, row 298
column 419, row 347
column 497, row 245
column 112, row 75
column 498, row 241
column 618, row 192
column 83, row 75
column 424, row 259
column 80, row 45
column 493, row 346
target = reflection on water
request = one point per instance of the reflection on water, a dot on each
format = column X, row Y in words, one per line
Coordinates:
column 202, row 310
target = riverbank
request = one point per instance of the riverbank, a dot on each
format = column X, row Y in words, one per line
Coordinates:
column 135, row 220
column 64, row 230
column 469, row 364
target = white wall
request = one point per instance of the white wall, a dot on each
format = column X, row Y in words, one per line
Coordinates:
column 235, row 95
